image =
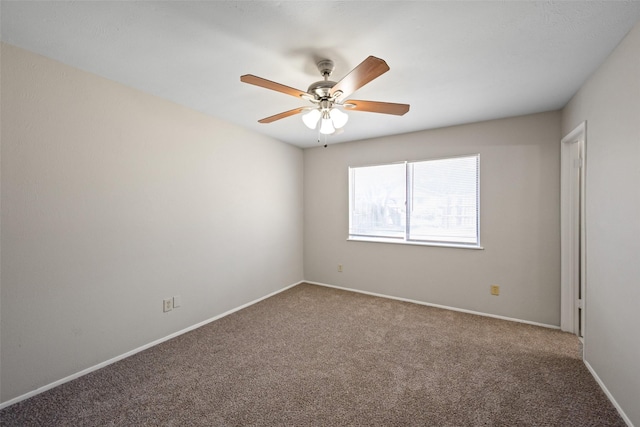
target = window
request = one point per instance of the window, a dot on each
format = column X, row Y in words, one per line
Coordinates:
column 428, row 202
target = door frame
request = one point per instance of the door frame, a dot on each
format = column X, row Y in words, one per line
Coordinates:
column 573, row 231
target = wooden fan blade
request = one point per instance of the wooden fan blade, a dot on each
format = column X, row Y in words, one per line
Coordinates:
column 268, row 84
column 283, row 115
column 368, row 70
column 377, row 107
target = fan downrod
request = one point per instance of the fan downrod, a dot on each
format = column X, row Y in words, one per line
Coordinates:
column 321, row 89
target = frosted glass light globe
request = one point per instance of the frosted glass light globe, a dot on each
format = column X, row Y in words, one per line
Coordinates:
column 326, row 127
column 311, row 118
column 338, row 117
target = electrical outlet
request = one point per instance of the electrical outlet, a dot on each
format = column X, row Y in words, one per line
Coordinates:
column 167, row 304
column 495, row 290
column 340, row 268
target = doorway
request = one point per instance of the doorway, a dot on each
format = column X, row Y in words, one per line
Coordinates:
column 573, row 231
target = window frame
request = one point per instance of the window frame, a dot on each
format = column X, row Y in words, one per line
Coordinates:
column 405, row 239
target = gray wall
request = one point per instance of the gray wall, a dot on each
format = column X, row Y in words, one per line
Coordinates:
column 610, row 103
column 519, row 220
column 113, row 200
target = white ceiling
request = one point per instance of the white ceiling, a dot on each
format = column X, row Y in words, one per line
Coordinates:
column 454, row 62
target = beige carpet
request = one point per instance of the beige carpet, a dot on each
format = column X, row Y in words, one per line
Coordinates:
column 315, row 356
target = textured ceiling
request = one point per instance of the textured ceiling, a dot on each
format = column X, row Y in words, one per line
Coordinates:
column 454, row 62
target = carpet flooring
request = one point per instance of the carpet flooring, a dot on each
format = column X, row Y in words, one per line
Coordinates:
column 317, row 356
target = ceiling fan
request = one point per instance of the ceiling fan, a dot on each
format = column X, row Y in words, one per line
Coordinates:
column 328, row 96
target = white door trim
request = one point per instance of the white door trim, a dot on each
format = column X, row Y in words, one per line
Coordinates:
column 572, row 218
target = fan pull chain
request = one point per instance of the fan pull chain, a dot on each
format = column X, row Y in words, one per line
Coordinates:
column 325, row 139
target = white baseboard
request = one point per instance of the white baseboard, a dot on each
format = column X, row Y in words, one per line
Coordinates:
column 462, row 310
column 137, row 350
column 609, row 395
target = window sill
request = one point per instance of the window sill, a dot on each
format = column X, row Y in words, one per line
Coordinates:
column 413, row 243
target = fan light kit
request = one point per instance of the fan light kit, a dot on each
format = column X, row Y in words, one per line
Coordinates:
column 325, row 95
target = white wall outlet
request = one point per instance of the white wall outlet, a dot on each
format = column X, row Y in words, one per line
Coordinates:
column 167, row 304
column 177, row 301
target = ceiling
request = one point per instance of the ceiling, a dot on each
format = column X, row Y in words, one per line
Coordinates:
column 454, row 62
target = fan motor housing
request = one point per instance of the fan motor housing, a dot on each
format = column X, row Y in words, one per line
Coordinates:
column 321, row 88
